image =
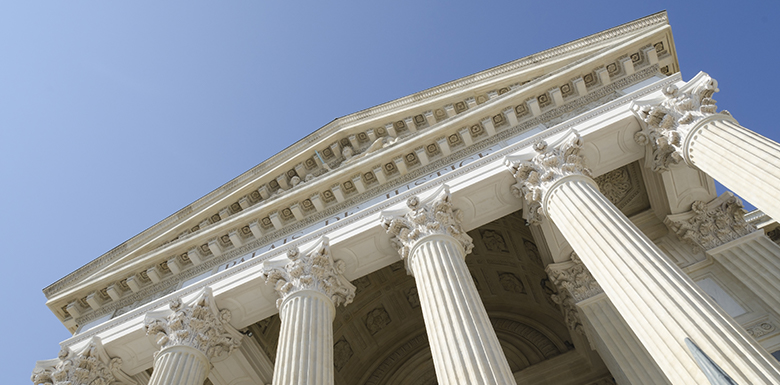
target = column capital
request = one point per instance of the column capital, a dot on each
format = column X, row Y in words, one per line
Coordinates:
column 314, row 270
column 422, row 217
column 89, row 365
column 537, row 176
column 669, row 121
column 709, row 225
column 197, row 323
column 575, row 284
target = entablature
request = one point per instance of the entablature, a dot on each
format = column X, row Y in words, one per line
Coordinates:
column 480, row 189
column 259, row 212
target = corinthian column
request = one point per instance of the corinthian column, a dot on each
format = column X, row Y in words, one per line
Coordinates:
column 190, row 336
column 683, row 126
column 585, row 306
column 720, row 229
column 659, row 302
column 86, row 366
column 310, row 285
column 433, row 244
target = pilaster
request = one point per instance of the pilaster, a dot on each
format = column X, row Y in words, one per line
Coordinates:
column 575, row 284
column 586, row 308
column 719, row 228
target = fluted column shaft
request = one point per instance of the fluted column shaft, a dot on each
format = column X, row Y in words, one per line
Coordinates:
column 311, row 284
column 742, row 160
column 305, row 352
column 660, row 303
column 180, row 365
column 464, row 345
column 755, row 260
column 622, row 352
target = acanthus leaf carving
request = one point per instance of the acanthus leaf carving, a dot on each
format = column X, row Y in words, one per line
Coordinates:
column 422, row 217
column 314, row 269
column 551, row 163
column 668, row 121
column 197, row 324
column 709, row 225
column 90, row 365
column 575, row 284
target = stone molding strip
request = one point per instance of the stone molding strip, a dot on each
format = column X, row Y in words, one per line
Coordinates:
column 613, row 33
column 431, row 185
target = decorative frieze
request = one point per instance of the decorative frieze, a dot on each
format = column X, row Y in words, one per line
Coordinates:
column 89, row 366
column 422, row 217
column 551, row 163
column 197, row 324
column 669, row 120
column 314, row 270
column 326, row 207
column 709, row 225
column 761, row 329
column 615, row 185
column 575, row 284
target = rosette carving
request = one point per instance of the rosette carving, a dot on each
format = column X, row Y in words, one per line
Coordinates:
column 709, row 225
column 312, row 269
column 551, row 163
column 421, row 217
column 574, row 283
column 669, row 120
column 197, row 324
column 89, row 366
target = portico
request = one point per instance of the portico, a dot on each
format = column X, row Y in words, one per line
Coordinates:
column 550, row 220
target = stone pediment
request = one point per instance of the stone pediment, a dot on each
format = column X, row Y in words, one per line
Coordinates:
column 357, row 159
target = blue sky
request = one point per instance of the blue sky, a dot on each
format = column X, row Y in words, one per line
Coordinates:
column 115, row 115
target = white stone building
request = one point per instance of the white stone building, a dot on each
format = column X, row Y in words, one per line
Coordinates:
column 552, row 220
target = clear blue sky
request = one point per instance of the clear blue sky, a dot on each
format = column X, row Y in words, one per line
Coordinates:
column 113, row 116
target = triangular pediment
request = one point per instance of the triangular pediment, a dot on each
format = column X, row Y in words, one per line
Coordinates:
column 354, row 159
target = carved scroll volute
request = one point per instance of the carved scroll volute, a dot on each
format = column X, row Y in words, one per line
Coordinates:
column 709, row 225
column 668, row 121
column 536, row 175
column 434, row 214
column 197, row 323
column 575, row 284
column 89, row 365
column 312, row 269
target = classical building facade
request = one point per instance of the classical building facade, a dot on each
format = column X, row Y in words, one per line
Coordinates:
column 552, row 220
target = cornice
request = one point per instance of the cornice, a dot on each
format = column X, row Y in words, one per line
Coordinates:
column 424, row 189
column 147, row 293
column 154, row 231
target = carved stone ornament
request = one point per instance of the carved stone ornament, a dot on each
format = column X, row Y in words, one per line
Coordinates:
column 432, row 215
column 709, row 225
column 197, row 324
column 574, row 283
column 669, row 120
column 313, row 269
column 88, row 366
column 551, row 163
